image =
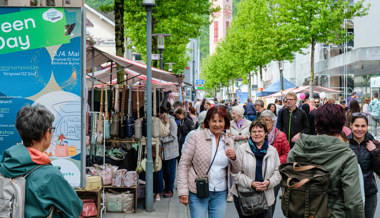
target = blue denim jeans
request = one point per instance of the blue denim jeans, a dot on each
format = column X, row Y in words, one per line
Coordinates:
column 168, row 168
column 250, row 117
column 370, row 206
column 215, row 204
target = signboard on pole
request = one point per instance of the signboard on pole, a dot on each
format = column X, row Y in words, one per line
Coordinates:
column 41, row 63
column 199, row 82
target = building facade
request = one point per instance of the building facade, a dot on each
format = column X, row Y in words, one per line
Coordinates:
column 43, row 3
column 220, row 22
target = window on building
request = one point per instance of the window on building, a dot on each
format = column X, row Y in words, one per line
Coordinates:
column 216, row 31
column 33, row 2
column 227, row 24
column 50, row 3
column 68, row 2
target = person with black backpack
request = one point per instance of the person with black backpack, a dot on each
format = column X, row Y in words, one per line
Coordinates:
column 321, row 178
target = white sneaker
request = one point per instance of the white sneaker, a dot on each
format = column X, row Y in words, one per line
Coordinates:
column 157, row 197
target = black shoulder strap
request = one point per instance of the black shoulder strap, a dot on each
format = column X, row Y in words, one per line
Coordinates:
column 217, row 148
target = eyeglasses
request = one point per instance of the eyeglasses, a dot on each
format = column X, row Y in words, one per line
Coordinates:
column 316, row 102
column 359, row 114
column 52, row 129
column 289, row 99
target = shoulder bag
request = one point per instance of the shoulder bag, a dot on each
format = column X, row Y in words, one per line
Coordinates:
column 130, row 123
column 123, row 130
column 115, row 116
column 252, row 202
column 99, row 140
column 202, row 182
column 107, row 126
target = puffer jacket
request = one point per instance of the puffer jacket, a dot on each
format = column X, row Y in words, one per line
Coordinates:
column 244, row 130
column 170, row 142
column 197, row 154
column 282, row 145
column 337, row 157
column 374, row 108
column 247, row 172
column 364, row 160
column 44, row 187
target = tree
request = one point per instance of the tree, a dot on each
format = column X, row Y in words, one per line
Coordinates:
column 97, row 3
column 316, row 21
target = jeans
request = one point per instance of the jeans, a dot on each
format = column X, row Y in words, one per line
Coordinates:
column 215, row 204
column 250, row 117
column 266, row 214
column 375, row 121
column 169, row 167
column 370, row 205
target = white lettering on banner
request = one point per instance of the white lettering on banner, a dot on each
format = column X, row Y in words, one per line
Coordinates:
column 24, row 45
column 26, row 23
column 18, row 25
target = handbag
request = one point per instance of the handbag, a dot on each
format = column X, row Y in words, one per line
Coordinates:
column 252, row 202
column 115, row 124
column 123, row 129
column 138, row 122
column 89, row 208
column 107, row 125
column 119, row 202
column 99, row 129
column 202, row 182
column 130, row 123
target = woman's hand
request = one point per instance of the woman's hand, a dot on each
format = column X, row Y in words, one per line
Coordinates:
column 370, row 146
column 262, row 186
column 230, row 153
column 184, row 199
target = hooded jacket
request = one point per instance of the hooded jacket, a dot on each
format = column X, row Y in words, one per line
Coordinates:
column 364, row 160
column 337, row 157
column 44, row 187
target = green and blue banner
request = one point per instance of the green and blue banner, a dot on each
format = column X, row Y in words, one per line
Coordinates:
column 41, row 63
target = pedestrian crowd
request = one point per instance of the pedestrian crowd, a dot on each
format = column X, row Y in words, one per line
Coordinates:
column 238, row 153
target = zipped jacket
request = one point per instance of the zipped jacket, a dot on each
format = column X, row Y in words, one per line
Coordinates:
column 337, row 157
column 364, row 160
column 374, row 108
column 44, row 187
column 293, row 123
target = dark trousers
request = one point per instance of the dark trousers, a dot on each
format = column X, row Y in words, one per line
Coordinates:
column 263, row 215
column 158, row 182
column 169, row 167
column 370, row 206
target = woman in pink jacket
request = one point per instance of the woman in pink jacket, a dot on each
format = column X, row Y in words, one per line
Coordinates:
column 208, row 153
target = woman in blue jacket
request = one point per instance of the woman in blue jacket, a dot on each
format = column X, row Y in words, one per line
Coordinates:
column 45, row 187
column 364, row 146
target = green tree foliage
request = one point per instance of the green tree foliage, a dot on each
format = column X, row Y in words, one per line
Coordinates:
column 182, row 19
column 97, row 3
column 254, row 38
column 316, row 21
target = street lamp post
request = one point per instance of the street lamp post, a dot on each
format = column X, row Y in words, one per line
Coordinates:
column 161, row 46
column 149, row 4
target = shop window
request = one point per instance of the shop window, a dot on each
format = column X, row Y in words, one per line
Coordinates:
column 216, row 31
column 68, row 2
column 33, row 2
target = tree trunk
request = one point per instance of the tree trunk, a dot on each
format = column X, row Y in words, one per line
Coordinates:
column 313, row 42
column 119, row 36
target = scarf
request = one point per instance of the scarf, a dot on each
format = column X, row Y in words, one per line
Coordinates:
column 271, row 136
column 260, row 153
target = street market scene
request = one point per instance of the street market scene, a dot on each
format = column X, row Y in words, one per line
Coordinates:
column 198, row 108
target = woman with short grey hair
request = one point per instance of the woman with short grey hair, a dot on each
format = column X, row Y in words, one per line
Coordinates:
column 239, row 131
column 35, row 126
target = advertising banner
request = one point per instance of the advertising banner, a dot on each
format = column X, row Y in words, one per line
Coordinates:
column 242, row 97
column 41, row 63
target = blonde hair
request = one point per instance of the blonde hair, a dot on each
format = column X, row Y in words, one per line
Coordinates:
column 292, row 94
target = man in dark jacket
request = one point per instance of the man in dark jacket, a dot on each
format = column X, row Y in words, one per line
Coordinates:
column 250, row 112
column 294, row 121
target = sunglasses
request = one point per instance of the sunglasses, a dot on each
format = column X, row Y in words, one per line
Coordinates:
column 359, row 114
